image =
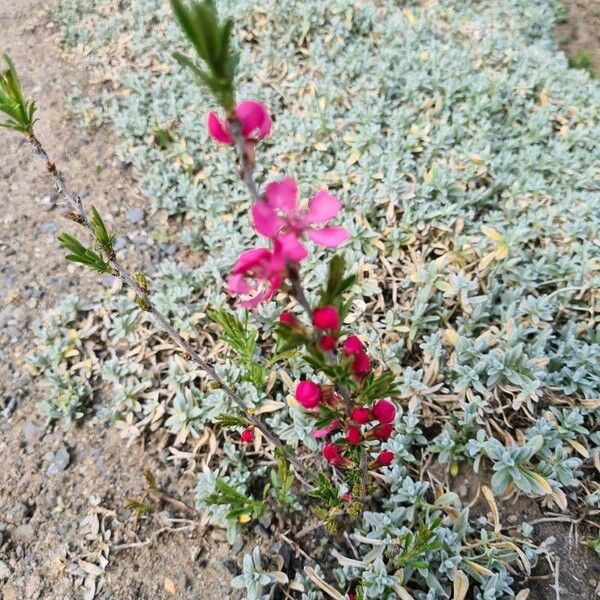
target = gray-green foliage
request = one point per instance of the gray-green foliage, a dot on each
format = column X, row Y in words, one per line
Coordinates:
column 466, row 153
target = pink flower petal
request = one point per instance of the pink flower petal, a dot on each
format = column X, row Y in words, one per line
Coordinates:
column 265, row 221
column 283, row 194
column 253, row 116
column 251, row 302
column 321, row 433
column 238, row 285
column 250, row 258
column 217, row 129
column 329, row 237
column 288, row 246
column 322, row 208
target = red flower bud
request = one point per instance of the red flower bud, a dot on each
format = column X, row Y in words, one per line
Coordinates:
column 346, row 497
column 384, row 411
column 361, row 415
column 327, row 343
column 385, row 458
column 382, row 432
column 351, row 596
column 308, row 394
column 326, row 317
column 361, row 365
column 247, row 436
column 332, row 454
column 352, row 346
column 353, row 435
column 288, row 318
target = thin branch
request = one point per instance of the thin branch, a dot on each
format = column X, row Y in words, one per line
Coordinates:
column 80, row 216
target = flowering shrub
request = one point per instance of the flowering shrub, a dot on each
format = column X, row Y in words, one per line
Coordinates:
column 488, row 317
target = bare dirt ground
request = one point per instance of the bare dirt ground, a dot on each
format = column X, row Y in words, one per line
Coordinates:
column 63, row 494
column 579, row 31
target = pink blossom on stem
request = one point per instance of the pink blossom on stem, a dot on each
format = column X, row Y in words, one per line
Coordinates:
column 278, row 217
column 254, row 120
column 384, row 411
column 255, row 276
column 361, row 415
column 326, row 318
column 308, row 394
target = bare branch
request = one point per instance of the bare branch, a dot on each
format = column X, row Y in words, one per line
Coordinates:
column 79, row 214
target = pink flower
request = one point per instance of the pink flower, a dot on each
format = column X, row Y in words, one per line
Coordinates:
column 254, row 275
column 353, row 435
column 352, row 346
column 327, row 343
column 361, row 365
column 332, row 454
column 381, row 432
column 385, row 458
column 384, row 411
column 308, row 394
column 361, row 415
column 326, row 317
column 247, row 436
column 253, row 117
column 278, row 217
column 325, row 431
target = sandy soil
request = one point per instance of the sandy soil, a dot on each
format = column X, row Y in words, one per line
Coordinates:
column 579, row 31
column 63, row 494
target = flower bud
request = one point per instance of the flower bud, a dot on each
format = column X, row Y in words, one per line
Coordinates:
column 308, row 394
column 327, row 343
column 361, row 415
column 384, row 411
column 353, row 435
column 352, row 346
column 288, row 318
column 381, row 432
column 385, row 458
column 332, row 454
column 247, row 436
column 326, row 317
column 361, row 365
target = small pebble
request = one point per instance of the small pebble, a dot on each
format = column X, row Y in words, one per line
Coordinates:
column 135, row 214
column 60, row 461
column 5, row 571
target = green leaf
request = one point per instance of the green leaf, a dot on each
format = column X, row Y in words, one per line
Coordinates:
column 212, row 41
column 102, row 237
column 80, row 254
column 379, row 386
column 242, row 339
column 229, row 420
column 21, row 112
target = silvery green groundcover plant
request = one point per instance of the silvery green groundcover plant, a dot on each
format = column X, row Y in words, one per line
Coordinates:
column 464, row 153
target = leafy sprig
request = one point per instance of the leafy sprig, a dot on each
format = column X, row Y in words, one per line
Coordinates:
column 20, row 112
column 212, row 41
column 80, row 254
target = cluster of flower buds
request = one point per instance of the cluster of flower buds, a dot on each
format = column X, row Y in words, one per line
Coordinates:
column 365, row 424
column 258, row 273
